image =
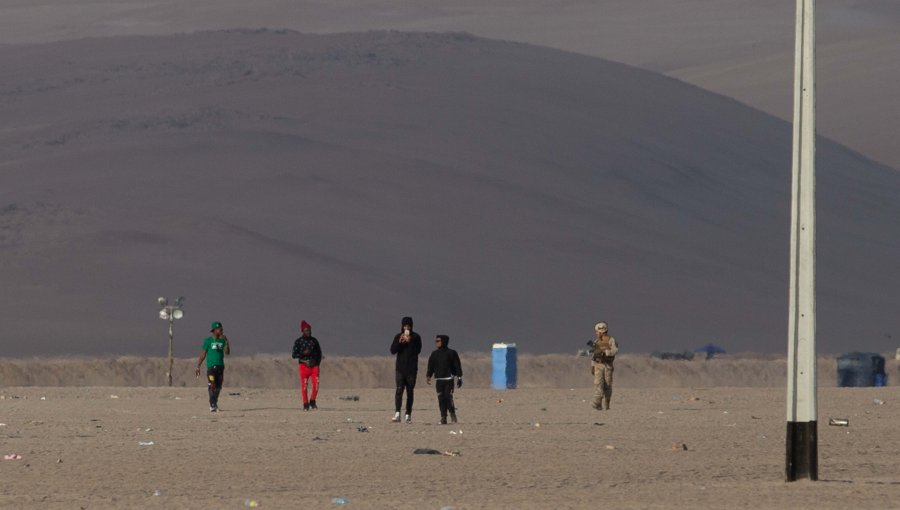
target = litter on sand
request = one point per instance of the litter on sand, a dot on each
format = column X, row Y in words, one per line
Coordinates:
column 431, row 451
column 352, row 398
column 839, row 422
column 146, row 443
column 12, row 456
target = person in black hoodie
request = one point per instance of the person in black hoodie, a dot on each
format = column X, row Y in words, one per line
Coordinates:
column 308, row 354
column 444, row 365
column 406, row 346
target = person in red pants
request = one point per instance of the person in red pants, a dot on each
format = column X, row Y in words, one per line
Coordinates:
column 308, row 353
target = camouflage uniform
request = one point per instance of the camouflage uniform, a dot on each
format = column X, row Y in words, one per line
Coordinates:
column 605, row 350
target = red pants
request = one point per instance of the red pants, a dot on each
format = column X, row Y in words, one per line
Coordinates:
column 307, row 373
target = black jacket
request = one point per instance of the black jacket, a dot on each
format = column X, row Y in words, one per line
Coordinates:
column 443, row 363
column 307, row 351
column 407, row 354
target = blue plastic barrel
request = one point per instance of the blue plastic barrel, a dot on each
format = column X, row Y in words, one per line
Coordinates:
column 503, row 376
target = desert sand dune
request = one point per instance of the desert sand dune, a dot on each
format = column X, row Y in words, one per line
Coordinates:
column 495, row 191
column 738, row 48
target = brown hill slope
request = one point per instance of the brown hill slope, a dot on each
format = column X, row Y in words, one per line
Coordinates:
column 733, row 47
column 494, row 191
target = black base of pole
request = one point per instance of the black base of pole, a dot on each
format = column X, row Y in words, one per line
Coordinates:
column 802, row 451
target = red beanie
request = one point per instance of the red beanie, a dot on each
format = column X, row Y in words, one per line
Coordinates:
column 304, row 326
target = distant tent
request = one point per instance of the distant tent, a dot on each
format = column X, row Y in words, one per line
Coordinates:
column 859, row 369
column 710, row 350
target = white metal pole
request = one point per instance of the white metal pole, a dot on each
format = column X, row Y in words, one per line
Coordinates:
column 802, row 450
column 171, row 354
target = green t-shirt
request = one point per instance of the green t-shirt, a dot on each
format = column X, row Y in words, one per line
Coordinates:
column 215, row 351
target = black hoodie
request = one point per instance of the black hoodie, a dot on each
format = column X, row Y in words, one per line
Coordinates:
column 444, row 362
column 407, row 354
column 307, row 351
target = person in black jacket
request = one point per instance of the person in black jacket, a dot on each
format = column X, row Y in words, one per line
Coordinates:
column 444, row 365
column 406, row 346
column 308, row 354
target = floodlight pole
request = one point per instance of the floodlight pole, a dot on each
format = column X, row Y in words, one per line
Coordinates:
column 171, row 350
column 802, row 449
column 171, row 313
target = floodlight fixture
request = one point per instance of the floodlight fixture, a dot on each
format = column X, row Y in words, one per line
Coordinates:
column 171, row 313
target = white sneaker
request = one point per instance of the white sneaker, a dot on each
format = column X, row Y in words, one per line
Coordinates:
column 396, row 418
column 408, row 419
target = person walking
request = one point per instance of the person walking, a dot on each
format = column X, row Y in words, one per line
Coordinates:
column 308, row 354
column 444, row 365
column 406, row 346
column 604, row 353
column 215, row 348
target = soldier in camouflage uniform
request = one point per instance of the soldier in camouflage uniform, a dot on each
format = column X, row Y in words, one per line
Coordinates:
column 604, row 349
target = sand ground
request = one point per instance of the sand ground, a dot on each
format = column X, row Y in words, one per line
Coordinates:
column 526, row 448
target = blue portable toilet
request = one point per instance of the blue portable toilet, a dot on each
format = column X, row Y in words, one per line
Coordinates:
column 860, row 369
column 503, row 376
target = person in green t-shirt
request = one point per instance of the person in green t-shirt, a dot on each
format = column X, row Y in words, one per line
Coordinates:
column 215, row 348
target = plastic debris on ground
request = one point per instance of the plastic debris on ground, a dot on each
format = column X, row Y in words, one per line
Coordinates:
column 146, row 443
column 12, row 456
column 339, row 501
column 432, row 451
column 839, row 422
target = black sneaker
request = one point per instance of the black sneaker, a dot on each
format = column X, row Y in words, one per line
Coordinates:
column 443, row 420
column 312, row 404
column 213, row 409
column 452, row 417
column 306, row 407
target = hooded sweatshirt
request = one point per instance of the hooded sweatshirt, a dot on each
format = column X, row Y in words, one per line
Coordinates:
column 407, row 353
column 444, row 363
column 307, row 351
